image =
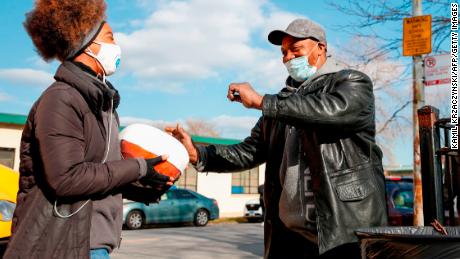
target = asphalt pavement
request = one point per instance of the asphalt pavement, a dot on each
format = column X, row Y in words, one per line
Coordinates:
column 225, row 240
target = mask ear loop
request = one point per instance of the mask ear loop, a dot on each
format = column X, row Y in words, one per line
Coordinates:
column 91, row 54
column 311, row 51
column 316, row 63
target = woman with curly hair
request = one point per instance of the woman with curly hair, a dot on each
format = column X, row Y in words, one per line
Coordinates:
column 72, row 177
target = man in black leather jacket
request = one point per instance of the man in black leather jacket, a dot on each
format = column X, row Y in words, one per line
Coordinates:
column 324, row 175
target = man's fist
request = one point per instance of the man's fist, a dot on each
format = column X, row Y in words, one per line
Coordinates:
column 243, row 93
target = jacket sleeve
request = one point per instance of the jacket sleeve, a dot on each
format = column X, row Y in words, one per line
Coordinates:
column 350, row 104
column 245, row 155
column 60, row 135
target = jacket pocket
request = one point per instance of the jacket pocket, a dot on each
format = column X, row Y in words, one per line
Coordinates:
column 354, row 191
column 354, row 184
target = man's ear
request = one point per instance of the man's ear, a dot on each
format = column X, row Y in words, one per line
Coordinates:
column 322, row 47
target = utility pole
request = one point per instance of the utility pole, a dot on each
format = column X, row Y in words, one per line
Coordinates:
column 418, row 102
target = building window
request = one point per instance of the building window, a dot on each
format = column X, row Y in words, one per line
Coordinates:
column 7, row 157
column 188, row 180
column 246, row 182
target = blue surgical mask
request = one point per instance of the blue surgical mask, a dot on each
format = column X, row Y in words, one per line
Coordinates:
column 299, row 68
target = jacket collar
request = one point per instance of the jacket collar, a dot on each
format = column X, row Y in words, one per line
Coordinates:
column 95, row 92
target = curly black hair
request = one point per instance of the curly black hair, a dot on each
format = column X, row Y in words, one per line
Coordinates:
column 58, row 27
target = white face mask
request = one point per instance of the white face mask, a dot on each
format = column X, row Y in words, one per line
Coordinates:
column 109, row 57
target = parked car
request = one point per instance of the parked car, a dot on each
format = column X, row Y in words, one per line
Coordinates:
column 253, row 211
column 400, row 200
column 176, row 206
column 399, row 197
column 9, row 186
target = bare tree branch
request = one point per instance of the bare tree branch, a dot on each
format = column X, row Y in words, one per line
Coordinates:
column 372, row 15
column 201, row 128
column 393, row 117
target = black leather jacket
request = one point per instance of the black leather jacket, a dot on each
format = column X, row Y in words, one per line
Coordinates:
column 335, row 113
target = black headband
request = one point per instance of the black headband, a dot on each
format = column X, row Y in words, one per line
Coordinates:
column 87, row 40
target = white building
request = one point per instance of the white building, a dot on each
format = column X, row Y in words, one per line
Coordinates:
column 231, row 190
column 11, row 126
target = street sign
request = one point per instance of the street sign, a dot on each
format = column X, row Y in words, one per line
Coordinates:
column 437, row 70
column 417, row 35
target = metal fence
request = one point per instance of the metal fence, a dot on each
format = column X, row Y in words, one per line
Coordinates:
column 440, row 169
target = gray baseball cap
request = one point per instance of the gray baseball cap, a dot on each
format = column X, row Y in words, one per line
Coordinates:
column 299, row 28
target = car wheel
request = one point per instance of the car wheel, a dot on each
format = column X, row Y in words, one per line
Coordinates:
column 253, row 220
column 134, row 220
column 201, row 218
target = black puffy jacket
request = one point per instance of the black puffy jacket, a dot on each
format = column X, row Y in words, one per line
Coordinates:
column 62, row 144
column 335, row 114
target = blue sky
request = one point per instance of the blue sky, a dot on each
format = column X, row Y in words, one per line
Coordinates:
column 178, row 57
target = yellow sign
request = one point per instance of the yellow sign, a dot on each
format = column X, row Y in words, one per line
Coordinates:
column 417, row 35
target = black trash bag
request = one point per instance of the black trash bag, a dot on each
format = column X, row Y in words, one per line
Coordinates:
column 408, row 242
